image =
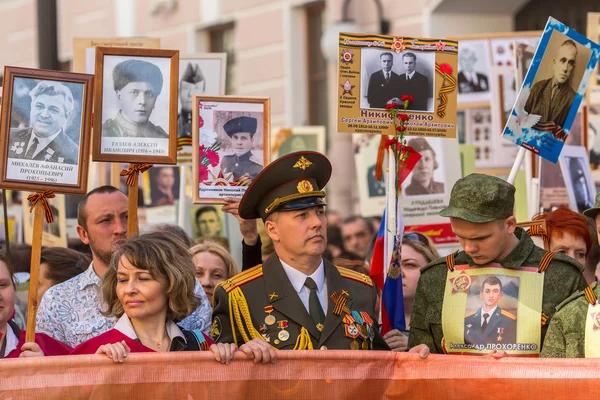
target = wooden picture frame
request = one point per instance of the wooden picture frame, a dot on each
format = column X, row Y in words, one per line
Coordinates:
column 225, row 174
column 148, row 132
column 297, row 138
column 61, row 162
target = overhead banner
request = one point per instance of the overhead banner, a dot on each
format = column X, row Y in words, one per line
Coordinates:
column 375, row 71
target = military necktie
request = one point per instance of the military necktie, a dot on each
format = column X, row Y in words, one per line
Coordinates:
column 31, row 150
column 485, row 321
column 314, row 305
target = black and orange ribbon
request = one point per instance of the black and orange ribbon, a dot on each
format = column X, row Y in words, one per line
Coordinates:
column 441, row 108
column 41, row 197
column 183, row 141
column 133, row 171
column 380, row 157
column 554, row 129
column 545, row 261
column 537, row 230
column 590, row 296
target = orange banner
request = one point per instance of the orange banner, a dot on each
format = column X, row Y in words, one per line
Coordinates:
column 298, row 375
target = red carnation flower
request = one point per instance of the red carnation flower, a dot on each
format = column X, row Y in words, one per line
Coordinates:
column 392, row 105
column 403, row 117
column 407, row 98
column 200, row 122
column 400, row 128
column 203, row 172
column 446, row 68
column 213, row 157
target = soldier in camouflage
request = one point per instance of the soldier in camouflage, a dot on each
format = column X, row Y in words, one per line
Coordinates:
column 481, row 214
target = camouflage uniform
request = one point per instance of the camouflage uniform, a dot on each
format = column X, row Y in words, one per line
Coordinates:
column 480, row 199
column 566, row 334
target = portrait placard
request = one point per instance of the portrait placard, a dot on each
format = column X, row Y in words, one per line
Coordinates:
column 524, row 52
column 45, row 130
column 201, row 74
column 136, row 105
column 552, row 91
column 575, row 167
column 474, row 71
column 161, row 186
column 377, row 70
column 84, row 49
column 208, row 221
column 371, row 192
column 53, row 234
column 594, row 140
column 297, row 138
column 492, row 308
column 593, row 33
column 427, row 188
column 231, row 142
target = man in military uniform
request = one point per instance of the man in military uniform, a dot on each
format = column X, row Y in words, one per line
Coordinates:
column 241, row 131
column 490, row 323
column 137, row 84
column 481, row 215
column 566, row 334
column 46, row 140
column 422, row 175
column 192, row 82
column 296, row 299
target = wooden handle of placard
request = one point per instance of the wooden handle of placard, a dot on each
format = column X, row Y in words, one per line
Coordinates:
column 115, row 175
column 132, row 196
column 36, row 254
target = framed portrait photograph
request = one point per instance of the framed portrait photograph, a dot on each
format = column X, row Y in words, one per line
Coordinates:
column 298, row 138
column 593, row 33
column 200, row 74
column 136, row 105
column 474, row 71
column 45, row 130
column 575, row 167
column 553, row 89
column 593, row 134
column 524, row 51
column 231, row 145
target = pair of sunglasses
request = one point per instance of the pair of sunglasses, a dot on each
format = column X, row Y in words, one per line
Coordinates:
column 416, row 237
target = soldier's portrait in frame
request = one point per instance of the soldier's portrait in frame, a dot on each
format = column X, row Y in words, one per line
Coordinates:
column 136, row 105
column 45, row 130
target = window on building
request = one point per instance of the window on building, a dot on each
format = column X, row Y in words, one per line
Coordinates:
column 318, row 106
column 222, row 40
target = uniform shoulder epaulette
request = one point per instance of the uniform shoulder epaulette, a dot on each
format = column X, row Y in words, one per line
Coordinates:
column 509, row 315
column 355, row 276
column 242, row 278
column 471, row 314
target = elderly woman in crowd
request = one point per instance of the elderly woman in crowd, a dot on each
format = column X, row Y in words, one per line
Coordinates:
column 12, row 339
column 213, row 265
column 417, row 252
column 59, row 264
column 149, row 286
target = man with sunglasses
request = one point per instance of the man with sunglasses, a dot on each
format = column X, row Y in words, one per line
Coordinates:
column 481, row 215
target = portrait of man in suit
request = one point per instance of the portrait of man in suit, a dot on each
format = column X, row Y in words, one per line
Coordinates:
column 384, row 85
column 490, row 324
column 469, row 79
column 45, row 140
column 413, row 83
column 552, row 98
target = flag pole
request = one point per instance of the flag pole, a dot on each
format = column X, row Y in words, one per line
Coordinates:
column 390, row 228
column 517, row 164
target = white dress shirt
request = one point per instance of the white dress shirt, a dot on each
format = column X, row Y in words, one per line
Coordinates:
column 298, row 278
column 489, row 313
column 410, row 76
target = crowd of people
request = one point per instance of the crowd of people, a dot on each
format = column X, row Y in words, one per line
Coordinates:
column 160, row 291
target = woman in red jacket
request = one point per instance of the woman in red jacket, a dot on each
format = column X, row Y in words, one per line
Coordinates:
column 149, row 286
column 12, row 339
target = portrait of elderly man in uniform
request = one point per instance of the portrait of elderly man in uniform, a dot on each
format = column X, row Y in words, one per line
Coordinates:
column 137, row 84
column 422, row 181
column 384, row 85
column 469, row 80
column 241, row 131
column 192, row 82
column 490, row 323
column 552, row 98
column 45, row 140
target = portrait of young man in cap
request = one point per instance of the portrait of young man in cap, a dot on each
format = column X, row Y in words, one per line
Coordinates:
column 191, row 82
column 137, row 84
column 241, row 131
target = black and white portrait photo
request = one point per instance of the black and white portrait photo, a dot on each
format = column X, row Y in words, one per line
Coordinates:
column 386, row 76
column 427, row 177
column 575, row 167
column 137, row 105
column 473, row 71
column 201, row 75
column 164, row 186
column 557, row 79
column 43, row 133
column 524, row 56
column 241, row 147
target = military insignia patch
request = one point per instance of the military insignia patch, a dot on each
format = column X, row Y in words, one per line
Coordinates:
column 398, row 45
column 461, row 283
column 347, row 86
column 346, row 56
column 216, row 329
column 304, row 186
column 302, row 163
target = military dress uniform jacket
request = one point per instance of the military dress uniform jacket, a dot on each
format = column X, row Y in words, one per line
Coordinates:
column 268, row 286
column 562, row 278
column 241, row 165
column 61, row 150
column 566, row 334
column 120, row 127
column 551, row 109
column 501, row 328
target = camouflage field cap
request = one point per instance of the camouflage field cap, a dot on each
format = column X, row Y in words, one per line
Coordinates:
column 292, row 182
column 592, row 212
column 480, row 198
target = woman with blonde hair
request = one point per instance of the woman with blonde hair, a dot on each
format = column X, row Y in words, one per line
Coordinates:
column 213, row 264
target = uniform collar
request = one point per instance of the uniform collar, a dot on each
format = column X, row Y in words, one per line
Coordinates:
column 244, row 157
column 297, row 278
column 124, row 326
column 88, row 278
column 520, row 253
column 131, row 129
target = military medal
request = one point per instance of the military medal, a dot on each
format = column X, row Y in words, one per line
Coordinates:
column 351, row 331
column 500, row 332
column 283, row 335
column 269, row 319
